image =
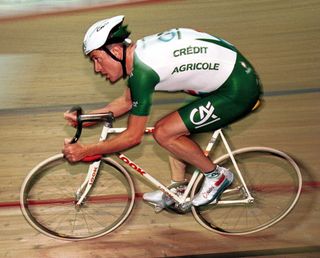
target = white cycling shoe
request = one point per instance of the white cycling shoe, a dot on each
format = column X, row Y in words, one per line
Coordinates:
column 153, row 197
column 214, row 184
column 161, row 200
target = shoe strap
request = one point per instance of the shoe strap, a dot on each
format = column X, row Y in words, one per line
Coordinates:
column 213, row 174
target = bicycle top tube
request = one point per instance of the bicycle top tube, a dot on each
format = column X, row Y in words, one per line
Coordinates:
column 148, row 130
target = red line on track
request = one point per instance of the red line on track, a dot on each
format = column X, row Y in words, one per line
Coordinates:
column 96, row 199
column 306, row 188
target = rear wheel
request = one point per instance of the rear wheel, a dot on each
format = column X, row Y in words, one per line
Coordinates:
column 274, row 181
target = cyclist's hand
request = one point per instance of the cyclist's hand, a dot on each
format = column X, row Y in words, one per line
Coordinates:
column 73, row 152
column 71, row 118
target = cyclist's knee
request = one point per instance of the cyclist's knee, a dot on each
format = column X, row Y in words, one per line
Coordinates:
column 165, row 134
column 160, row 134
column 169, row 129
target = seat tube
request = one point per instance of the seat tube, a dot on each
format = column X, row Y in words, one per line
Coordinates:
column 235, row 164
column 212, row 141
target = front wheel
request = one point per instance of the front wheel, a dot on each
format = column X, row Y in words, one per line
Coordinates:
column 274, row 181
column 48, row 198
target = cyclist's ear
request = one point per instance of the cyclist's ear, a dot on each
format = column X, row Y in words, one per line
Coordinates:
column 116, row 49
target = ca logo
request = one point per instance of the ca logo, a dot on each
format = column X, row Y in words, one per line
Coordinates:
column 204, row 114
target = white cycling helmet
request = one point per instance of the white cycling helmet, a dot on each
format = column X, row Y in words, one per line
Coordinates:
column 105, row 32
column 97, row 35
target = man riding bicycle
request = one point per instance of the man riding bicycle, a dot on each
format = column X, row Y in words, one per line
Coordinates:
column 180, row 59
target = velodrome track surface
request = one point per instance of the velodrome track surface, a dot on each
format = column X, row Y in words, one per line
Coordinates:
column 43, row 72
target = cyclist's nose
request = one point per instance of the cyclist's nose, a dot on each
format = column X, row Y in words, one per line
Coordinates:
column 97, row 67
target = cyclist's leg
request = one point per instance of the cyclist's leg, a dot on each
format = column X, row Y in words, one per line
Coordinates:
column 172, row 134
column 232, row 101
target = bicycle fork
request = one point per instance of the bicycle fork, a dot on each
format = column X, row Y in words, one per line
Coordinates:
column 84, row 189
column 93, row 170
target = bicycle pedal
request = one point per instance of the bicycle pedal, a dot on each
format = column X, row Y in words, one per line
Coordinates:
column 185, row 207
column 157, row 207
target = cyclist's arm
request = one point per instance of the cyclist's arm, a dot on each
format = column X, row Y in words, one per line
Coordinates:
column 129, row 138
column 118, row 106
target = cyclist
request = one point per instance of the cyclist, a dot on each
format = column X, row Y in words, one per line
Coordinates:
column 176, row 60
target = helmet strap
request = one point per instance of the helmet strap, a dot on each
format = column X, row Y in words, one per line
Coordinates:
column 123, row 61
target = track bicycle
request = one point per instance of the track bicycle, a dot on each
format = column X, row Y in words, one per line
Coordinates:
column 80, row 201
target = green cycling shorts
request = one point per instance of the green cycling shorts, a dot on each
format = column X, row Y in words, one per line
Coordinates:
column 232, row 101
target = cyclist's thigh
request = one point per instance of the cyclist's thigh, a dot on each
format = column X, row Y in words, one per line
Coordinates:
column 171, row 125
column 210, row 113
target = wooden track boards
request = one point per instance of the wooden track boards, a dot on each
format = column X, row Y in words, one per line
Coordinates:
column 43, row 72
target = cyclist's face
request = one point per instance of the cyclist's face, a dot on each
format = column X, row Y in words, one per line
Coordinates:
column 106, row 66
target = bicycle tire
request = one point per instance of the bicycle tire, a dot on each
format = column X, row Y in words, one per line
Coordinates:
column 275, row 195
column 47, row 199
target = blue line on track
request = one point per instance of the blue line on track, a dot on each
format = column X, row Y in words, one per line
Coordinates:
column 90, row 106
column 291, row 92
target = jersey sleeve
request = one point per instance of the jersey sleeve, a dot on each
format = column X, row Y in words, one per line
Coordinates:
column 142, row 84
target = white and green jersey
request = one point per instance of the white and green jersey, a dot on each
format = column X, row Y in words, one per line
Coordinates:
column 179, row 60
